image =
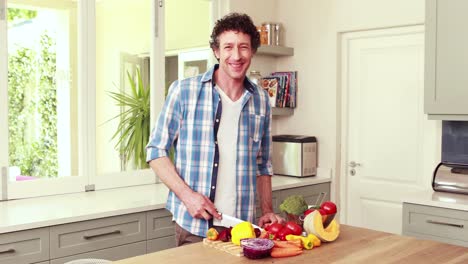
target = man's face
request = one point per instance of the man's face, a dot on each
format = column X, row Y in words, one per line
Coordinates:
column 235, row 54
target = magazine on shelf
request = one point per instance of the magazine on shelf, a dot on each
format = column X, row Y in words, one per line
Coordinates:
column 271, row 84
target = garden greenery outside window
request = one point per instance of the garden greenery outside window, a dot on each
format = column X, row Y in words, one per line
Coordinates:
column 64, row 59
column 72, row 69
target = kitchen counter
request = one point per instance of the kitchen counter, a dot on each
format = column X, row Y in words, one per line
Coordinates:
column 355, row 245
column 439, row 199
column 22, row 214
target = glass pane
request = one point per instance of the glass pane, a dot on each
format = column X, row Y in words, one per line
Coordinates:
column 123, row 41
column 187, row 44
column 42, row 118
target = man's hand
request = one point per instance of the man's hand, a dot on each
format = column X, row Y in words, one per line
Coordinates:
column 200, row 206
column 269, row 218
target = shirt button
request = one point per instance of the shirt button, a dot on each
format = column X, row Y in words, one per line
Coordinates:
column 216, row 142
column 213, row 187
column 216, row 164
column 217, row 120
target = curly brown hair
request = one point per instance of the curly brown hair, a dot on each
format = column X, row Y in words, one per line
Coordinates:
column 236, row 22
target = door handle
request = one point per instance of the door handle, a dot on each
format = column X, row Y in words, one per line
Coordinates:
column 354, row 164
column 115, row 232
column 10, row 250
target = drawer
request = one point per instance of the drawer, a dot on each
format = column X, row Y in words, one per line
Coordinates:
column 24, row 246
column 160, row 244
column 113, row 254
column 81, row 237
column 159, row 224
column 45, row 262
column 435, row 221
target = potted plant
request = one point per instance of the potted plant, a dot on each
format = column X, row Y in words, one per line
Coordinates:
column 132, row 133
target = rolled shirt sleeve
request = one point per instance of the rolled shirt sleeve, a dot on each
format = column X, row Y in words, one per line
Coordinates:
column 166, row 129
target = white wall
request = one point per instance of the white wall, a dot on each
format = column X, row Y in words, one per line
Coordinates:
column 312, row 28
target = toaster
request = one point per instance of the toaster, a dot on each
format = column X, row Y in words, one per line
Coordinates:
column 294, row 155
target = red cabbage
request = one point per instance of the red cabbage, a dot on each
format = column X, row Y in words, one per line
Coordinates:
column 256, row 248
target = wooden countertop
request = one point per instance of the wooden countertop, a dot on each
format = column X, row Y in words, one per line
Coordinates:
column 355, row 245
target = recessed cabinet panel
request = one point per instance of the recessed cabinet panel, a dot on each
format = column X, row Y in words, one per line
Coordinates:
column 160, row 224
column 442, row 224
column 28, row 246
column 113, row 254
column 97, row 234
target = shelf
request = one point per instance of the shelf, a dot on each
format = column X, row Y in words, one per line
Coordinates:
column 275, row 51
column 284, row 111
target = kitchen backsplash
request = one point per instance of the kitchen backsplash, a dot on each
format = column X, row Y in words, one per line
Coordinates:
column 455, row 142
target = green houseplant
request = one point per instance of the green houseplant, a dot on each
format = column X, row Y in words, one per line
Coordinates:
column 132, row 133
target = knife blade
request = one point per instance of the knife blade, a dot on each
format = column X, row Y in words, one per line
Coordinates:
column 230, row 221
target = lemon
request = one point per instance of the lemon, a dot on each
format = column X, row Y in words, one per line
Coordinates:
column 241, row 231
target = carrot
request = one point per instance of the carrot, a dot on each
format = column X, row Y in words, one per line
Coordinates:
column 288, row 244
column 285, row 252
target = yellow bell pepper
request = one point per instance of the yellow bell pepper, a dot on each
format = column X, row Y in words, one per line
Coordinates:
column 317, row 242
column 241, row 231
column 306, row 241
column 212, row 234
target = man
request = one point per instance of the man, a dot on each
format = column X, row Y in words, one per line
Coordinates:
column 219, row 123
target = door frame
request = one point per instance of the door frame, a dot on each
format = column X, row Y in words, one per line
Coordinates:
column 342, row 103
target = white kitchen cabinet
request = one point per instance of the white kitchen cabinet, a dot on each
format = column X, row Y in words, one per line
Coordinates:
column 446, row 60
column 436, row 223
column 24, row 247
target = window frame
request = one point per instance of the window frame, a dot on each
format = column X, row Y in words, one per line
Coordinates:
column 88, row 178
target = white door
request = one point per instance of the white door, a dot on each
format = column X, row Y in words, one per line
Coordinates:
column 388, row 145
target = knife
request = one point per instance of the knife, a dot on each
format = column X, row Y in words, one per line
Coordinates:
column 230, row 221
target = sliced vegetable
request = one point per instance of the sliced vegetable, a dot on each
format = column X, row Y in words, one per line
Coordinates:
column 255, row 248
column 313, row 225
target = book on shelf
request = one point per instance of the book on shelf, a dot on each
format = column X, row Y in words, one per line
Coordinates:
column 281, row 88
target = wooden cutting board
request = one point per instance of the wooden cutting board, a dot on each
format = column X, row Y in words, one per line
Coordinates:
column 228, row 247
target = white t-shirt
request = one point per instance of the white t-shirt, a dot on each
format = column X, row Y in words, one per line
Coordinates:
column 225, row 200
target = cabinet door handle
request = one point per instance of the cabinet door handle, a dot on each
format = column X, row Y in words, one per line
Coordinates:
column 10, row 250
column 102, row 234
column 443, row 223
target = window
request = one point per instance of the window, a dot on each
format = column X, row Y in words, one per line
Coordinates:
column 71, row 67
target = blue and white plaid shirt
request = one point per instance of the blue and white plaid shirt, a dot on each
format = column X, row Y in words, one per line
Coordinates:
column 190, row 120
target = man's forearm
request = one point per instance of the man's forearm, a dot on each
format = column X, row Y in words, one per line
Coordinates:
column 264, row 193
column 166, row 171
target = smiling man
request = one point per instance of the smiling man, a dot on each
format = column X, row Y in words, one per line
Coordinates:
column 219, row 124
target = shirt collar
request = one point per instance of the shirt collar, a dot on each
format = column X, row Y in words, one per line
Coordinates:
column 209, row 76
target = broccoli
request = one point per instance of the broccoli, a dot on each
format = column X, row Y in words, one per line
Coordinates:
column 294, row 204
